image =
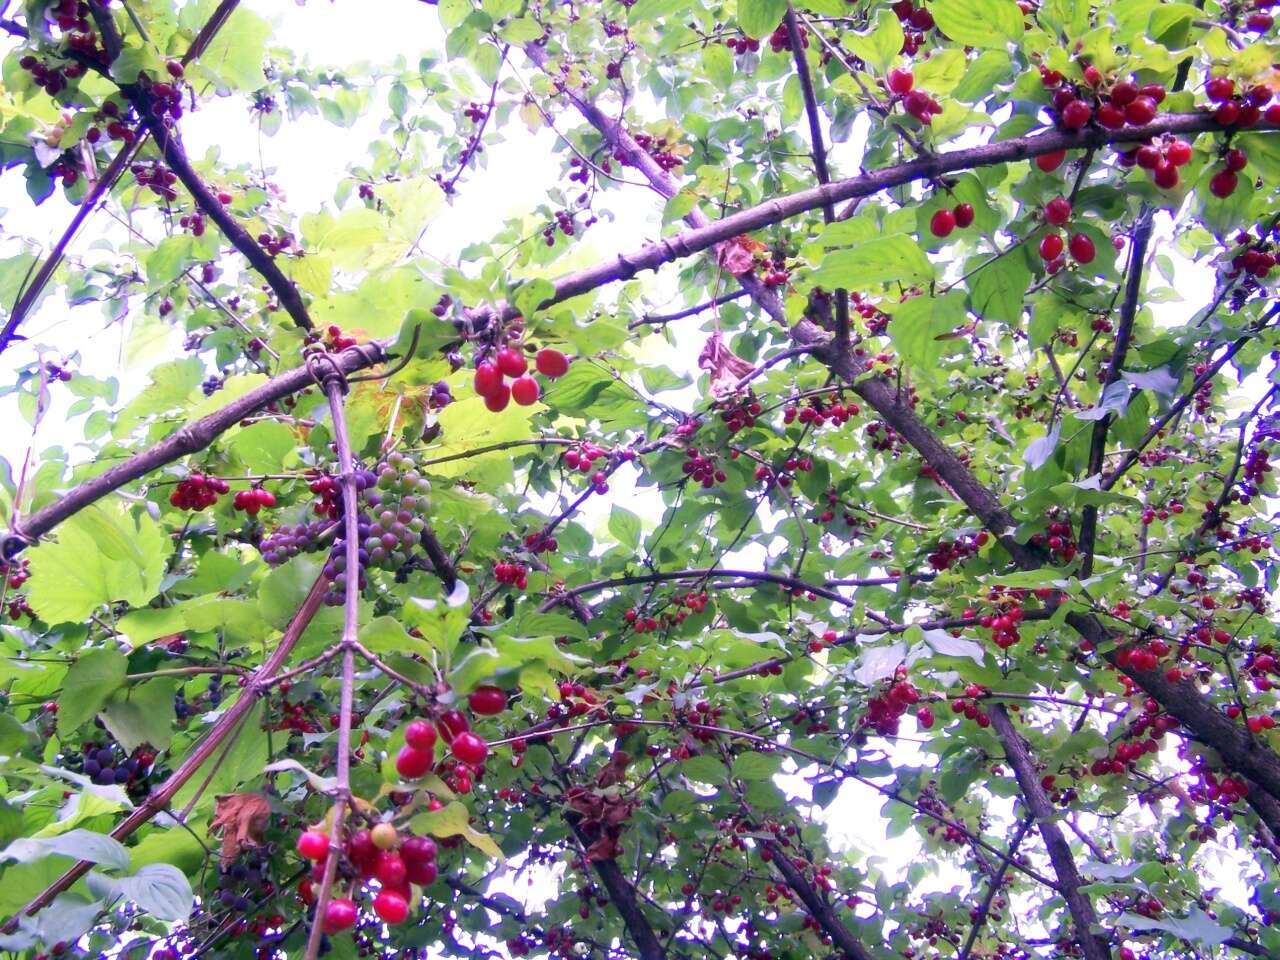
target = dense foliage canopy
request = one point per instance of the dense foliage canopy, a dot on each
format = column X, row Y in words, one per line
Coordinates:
column 445, row 605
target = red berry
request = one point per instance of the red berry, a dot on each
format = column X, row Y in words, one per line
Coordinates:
column 551, row 363
column 1076, row 114
column 1124, row 93
column 1165, row 175
column 487, row 701
column 1051, row 246
column 488, row 379
column 1219, row 89
column 413, row 764
column 420, row 735
column 1223, row 184
column 524, row 391
column 497, row 401
column 339, row 915
column 1227, row 113
column 313, row 845
column 422, row 872
column 175, row 69
column 390, row 907
column 964, row 215
column 512, row 362
column 1178, row 153
column 1141, row 111
column 1081, row 248
column 1110, row 116
column 1048, row 162
column 389, row 869
column 469, row 748
column 418, row 850
column 1235, row 160
column 943, row 222
column 1147, row 156
column 1058, row 211
column 901, row 81
column 1273, row 113
column 1092, row 76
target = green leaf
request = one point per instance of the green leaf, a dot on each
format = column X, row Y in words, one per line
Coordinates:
column 759, row 18
column 169, row 259
column 1197, row 926
column 918, row 324
column 881, row 46
column 159, row 889
column 102, row 555
column 94, row 677
column 979, row 23
column 756, row 766
column 77, row 844
column 624, row 525
column 142, row 714
column 705, row 769
column 235, row 55
column 452, row 820
column 892, row 259
column 996, row 291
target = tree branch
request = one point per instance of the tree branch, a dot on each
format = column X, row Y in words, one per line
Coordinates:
column 187, row 440
column 1064, row 865
column 818, row 908
column 1124, row 334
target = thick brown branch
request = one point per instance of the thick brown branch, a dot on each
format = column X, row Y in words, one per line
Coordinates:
column 189, row 439
column 1064, row 864
column 818, row 908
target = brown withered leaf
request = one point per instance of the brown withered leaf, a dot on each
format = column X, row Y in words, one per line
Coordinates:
column 242, row 818
column 615, row 771
column 605, row 848
column 738, row 256
column 725, row 366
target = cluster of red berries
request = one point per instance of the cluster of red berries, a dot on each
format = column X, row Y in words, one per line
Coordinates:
column 945, row 221
column 638, row 623
column 337, row 341
column 253, row 500
column 582, row 457
column 467, row 751
column 512, row 574
column 540, row 542
column 1150, row 513
column 379, row 854
column 1003, row 623
column 767, row 475
column 885, row 710
column 703, row 467
column 15, row 574
column 510, row 362
column 1162, row 158
column 1059, row 541
column 883, row 437
column 194, row 222
column 916, row 22
column 950, row 552
column 563, row 222
column 166, row 97
column 197, row 492
column 275, row 245
column 1219, row 792
column 742, row 45
column 1256, row 259
column 916, row 102
column 1056, row 213
column 658, row 148
column 158, row 178
column 1240, row 110
column 325, row 487
column 304, row 716
column 475, row 112
column 739, row 414
column 816, row 414
column 53, row 77
column 780, row 39
column 1123, row 102
column 968, row 705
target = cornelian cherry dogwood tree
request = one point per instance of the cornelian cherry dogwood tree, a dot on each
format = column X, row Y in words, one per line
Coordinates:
column 334, row 635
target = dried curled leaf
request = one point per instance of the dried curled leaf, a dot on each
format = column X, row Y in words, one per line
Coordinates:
column 242, row 818
column 738, row 256
column 725, row 366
